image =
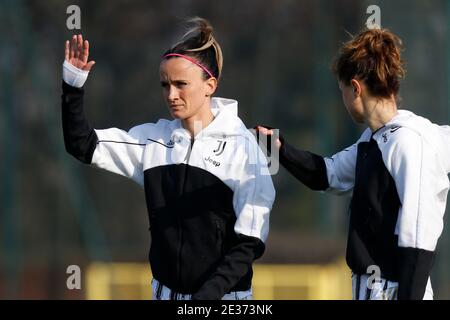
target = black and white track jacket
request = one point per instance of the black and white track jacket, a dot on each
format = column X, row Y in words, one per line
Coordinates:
column 208, row 198
column 398, row 180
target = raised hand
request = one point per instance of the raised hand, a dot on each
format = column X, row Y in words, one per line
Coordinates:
column 77, row 53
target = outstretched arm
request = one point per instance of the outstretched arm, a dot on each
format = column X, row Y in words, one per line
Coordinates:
column 334, row 174
column 307, row 167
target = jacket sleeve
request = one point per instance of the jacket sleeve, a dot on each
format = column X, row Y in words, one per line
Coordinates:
column 122, row 152
column 253, row 198
column 80, row 138
column 307, row 167
column 334, row 174
column 112, row 149
column 341, row 167
column 422, row 186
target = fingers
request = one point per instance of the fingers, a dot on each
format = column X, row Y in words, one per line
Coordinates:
column 264, row 130
column 79, row 50
column 278, row 143
column 80, row 46
column 85, row 54
column 67, row 50
column 89, row 66
column 73, row 46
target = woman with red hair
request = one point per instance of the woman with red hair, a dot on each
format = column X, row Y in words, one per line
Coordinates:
column 396, row 173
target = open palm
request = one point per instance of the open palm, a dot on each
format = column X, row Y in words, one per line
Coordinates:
column 77, row 53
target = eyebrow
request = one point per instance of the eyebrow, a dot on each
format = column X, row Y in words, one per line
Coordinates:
column 173, row 81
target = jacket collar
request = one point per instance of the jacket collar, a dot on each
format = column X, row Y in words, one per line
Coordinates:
column 226, row 122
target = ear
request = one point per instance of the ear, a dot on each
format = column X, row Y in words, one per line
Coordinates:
column 211, row 86
column 357, row 87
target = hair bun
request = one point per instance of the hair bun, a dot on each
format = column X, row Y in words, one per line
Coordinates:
column 203, row 29
column 199, row 43
column 375, row 57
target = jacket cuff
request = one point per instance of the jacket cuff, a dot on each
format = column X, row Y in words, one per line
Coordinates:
column 73, row 76
column 415, row 268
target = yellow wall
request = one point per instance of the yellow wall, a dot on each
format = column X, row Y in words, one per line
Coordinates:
column 270, row 282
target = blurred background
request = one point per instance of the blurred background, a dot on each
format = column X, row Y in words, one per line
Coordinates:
column 56, row 212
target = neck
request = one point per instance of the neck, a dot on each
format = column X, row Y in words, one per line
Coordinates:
column 197, row 122
column 379, row 111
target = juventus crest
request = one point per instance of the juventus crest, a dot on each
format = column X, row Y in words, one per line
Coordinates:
column 220, row 147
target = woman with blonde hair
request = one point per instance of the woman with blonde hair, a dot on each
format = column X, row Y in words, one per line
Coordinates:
column 396, row 173
column 206, row 182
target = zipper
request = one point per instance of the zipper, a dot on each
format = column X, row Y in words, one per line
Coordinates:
column 188, row 155
column 180, row 229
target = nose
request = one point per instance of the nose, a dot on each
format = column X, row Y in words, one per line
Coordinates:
column 173, row 93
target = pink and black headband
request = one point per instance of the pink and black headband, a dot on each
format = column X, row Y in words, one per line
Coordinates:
column 191, row 60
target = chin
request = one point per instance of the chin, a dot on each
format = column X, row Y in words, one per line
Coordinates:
column 177, row 115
